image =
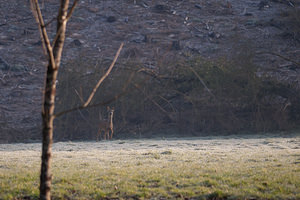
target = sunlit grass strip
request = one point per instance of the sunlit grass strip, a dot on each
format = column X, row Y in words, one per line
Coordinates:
column 199, row 173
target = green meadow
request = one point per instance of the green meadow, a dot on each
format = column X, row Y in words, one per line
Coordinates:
column 231, row 167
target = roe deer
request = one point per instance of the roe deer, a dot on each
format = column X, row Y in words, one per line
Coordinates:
column 106, row 126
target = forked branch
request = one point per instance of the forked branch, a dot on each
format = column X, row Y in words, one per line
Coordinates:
column 122, row 93
column 72, row 9
column 67, row 18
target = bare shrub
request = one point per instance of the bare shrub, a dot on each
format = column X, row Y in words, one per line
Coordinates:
column 187, row 96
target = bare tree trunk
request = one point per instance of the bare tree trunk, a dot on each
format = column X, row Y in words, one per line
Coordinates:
column 54, row 52
column 49, row 94
column 47, row 115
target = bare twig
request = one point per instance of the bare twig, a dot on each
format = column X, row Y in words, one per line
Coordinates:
column 104, row 76
column 67, row 18
column 116, row 97
column 92, row 105
column 72, row 9
column 186, row 97
column 56, row 36
column 79, row 96
column 37, row 13
column 168, row 102
column 85, row 119
column 202, row 82
column 52, row 20
column 154, row 102
column 281, row 56
column 146, row 71
column 291, row 4
column 17, row 20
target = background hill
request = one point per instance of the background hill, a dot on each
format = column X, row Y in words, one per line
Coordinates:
column 208, row 67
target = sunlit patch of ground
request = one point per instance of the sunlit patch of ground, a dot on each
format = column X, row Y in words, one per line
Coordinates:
column 232, row 167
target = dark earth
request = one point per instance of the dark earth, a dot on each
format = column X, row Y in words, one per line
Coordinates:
column 151, row 29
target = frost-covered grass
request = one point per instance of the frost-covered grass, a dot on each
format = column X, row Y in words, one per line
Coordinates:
column 233, row 167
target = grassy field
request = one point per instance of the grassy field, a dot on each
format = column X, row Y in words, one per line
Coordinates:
column 232, row 167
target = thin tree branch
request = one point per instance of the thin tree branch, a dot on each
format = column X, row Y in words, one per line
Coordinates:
column 281, row 56
column 17, row 20
column 85, row 119
column 104, row 76
column 154, row 102
column 202, row 82
column 56, row 36
column 33, row 9
column 185, row 96
column 168, row 102
column 79, row 96
column 38, row 14
column 67, row 18
column 147, row 71
column 72, row 9
column 47, row 24
column 124, row 91
column 92, row 105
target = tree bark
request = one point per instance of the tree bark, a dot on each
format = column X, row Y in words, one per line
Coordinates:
column 47, row 115
column 49, row 99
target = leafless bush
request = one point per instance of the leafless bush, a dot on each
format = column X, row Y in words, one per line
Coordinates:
column 183, row 97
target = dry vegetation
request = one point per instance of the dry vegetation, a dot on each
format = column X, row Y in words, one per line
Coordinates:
column 187, row 96
column 168, row 37
column 231, row 167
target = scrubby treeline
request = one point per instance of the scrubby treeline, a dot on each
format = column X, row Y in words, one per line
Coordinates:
column 182, row 96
